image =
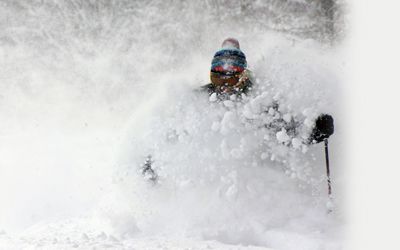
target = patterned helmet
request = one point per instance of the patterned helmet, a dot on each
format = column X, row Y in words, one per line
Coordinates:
column 229, row 59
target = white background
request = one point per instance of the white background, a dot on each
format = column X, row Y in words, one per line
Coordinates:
column 375, row 125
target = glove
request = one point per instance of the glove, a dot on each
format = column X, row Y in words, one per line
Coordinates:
column 323, row 128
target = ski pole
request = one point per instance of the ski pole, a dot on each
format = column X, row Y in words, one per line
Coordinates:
column 327, row 168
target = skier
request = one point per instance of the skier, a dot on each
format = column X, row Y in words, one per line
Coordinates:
column 229, row 76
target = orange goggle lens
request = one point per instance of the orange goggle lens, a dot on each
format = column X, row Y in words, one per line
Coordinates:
column 220, row 80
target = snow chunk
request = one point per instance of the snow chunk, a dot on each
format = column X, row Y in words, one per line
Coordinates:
column 247, row 112
column 282, row 136
column 287, row 117
column 259, row 102
column 229, row 104
column 228, row 122
column 271, row 111
column 213, row 97
column 296, row 143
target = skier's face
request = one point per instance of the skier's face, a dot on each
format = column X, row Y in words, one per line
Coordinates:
column 226, row 84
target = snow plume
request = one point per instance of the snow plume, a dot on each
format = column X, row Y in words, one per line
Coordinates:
column 89, row 89
column 223, row 174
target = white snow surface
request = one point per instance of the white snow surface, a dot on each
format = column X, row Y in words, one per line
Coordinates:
column 88, row 95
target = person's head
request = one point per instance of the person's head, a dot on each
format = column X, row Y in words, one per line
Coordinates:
column 229, row 60
column 228, row 65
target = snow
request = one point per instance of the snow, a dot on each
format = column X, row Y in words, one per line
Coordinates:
column 287, row 117
column 296, row 143
column 68, row 235
column 282, row 136
column 86, row 98
column 229, row 104
column 213, row 97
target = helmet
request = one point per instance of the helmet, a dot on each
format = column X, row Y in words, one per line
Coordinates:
column 230, row 43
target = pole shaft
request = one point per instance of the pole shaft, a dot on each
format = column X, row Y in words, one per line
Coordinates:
column 327, row 168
